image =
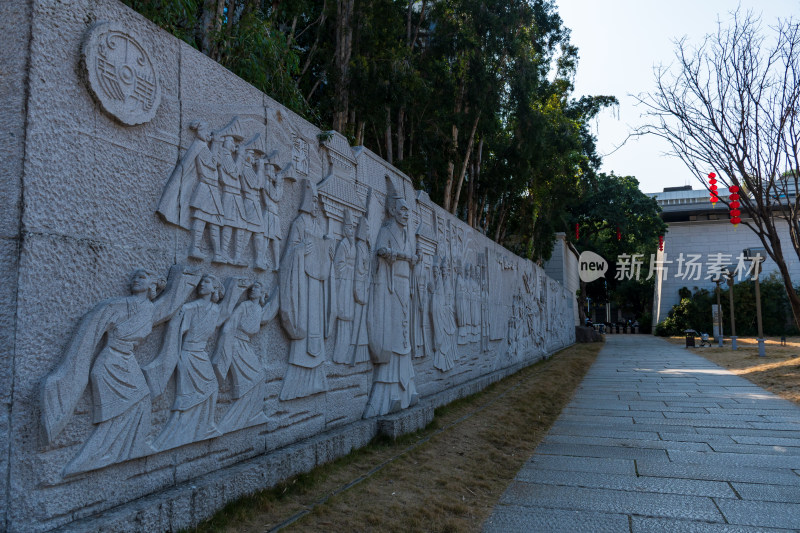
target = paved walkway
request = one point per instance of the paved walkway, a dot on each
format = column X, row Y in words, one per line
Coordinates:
column 659, row 439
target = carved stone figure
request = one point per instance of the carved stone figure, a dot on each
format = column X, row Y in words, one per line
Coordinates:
column 449, row 297
column 192, row 197
column 272, row 193
column 252, row 182
column 475, row 302
column 344, row 261
column 389, row 325
column 121, row 398
column 235, row 355
column 361, row 288
column 485, row 318
column 461, row 304
column 230, row 161
column 183, row 353
column 444, row 326
column 304, row 298
column 420, row 315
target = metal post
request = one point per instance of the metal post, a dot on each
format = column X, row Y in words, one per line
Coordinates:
column 719, row 313
column 733, row 320
column 757, row 268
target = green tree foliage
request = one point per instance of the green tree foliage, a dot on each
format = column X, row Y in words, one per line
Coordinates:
column 609, row 203
column 471, row 98
column 694, row 310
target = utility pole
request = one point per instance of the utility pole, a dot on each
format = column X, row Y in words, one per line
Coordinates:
column 757, row 269
column 719, row 313
column 733, row 320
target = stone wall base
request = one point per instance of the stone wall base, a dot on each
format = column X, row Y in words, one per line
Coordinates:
column 187, row 504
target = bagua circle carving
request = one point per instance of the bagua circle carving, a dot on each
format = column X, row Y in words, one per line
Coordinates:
column 120, row 75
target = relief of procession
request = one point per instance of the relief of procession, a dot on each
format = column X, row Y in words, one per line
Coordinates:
column 386, row 302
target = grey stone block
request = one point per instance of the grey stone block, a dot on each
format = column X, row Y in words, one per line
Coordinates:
column 719, row 472
column 407, row 421
column 659, row 525
column 582, row 464
column 760, row 513
column 654, row 444
column 631, row 483
column 515, row 518
column 735, row 459
column 611, row 501
column 768, row 493
column 613, row 452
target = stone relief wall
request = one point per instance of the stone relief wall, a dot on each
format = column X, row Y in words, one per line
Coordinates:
column 205, row 279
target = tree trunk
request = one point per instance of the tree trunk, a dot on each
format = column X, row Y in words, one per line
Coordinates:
column 360, row 133
column 344, row 48
column 582, row 304
column 470, row 145
column 212, row 19
column 500, row 221
column 388, row 134
column 451, row 166
column 401, row 136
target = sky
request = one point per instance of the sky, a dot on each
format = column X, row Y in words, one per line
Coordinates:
column 619, row 43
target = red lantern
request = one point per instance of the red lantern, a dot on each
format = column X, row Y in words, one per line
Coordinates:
column 660, row 243
column 619, row 234
column 735, row 213
column 712, row 186
column 577, row 231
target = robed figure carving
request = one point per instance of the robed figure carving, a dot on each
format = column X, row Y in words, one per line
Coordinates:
column 444, row 325
column 462, row 307
column 121, row 398
column 420, row 317
column 304, row 298
column 475, row 303
column 344, row 262
column 183, row 353
column 389, row 324
column 192, row 198
column 362, row 275
column 235, row 356
column 485, row 319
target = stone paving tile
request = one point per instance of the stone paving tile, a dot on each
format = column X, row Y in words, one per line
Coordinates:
column 755, row 449
column 613, row 452
column 585, row 411
column 630, row 483
column 659, row 439
column 611, row 501
column 732, row 424
column 768, row 493
column 514, row 518
column 719, row 472
column 766, row 440
column 733, row 417
column 754, row 433
column 605, row 432
column 655, row 444
column 696, row 437
column 734, row 459
column 585, row 464
column 759, row 513
column 738, row 410
column 661, row 525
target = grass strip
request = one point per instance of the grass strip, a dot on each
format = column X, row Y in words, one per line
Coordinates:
column 778, row 372
column 446, row 477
